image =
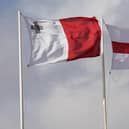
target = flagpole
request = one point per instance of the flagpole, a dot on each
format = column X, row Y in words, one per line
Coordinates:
column 103, row 78
column 21, row 104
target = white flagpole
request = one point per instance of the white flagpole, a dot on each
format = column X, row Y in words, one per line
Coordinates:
column 20, row 73
column 103, row 78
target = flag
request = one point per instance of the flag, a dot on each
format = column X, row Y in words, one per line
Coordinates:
column 63, row 39
column 120, row 47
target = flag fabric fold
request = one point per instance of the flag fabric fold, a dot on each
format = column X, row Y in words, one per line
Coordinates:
column 120, row 47
column 63, row 39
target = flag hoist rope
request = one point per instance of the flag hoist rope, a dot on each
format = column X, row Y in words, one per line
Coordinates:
column 21, row 104
column 103, row 77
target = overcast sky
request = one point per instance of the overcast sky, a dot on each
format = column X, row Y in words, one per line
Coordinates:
column 63, row 95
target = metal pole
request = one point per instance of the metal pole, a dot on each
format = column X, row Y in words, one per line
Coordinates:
column 20, row 73
column 103, row 78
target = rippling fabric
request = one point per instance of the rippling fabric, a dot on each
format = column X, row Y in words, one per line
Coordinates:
column 120, row 45
column 63, row 40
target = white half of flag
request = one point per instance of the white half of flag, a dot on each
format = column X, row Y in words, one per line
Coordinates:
column 120, row 45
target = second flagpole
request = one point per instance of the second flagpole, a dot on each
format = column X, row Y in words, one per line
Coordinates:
column 103, row 77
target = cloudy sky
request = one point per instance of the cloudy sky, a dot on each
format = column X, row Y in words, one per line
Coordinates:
column 63, row 95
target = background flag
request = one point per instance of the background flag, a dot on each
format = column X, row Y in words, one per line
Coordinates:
column 63, row 40
column 120, row 45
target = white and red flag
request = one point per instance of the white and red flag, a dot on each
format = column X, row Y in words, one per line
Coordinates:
column 64, row 39
column 120, row 47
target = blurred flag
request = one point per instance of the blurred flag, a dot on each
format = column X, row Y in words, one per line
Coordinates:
column 64, row 39
column 120, row 46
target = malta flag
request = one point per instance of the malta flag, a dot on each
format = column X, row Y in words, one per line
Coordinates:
column 64, row 39
column 120, row 46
